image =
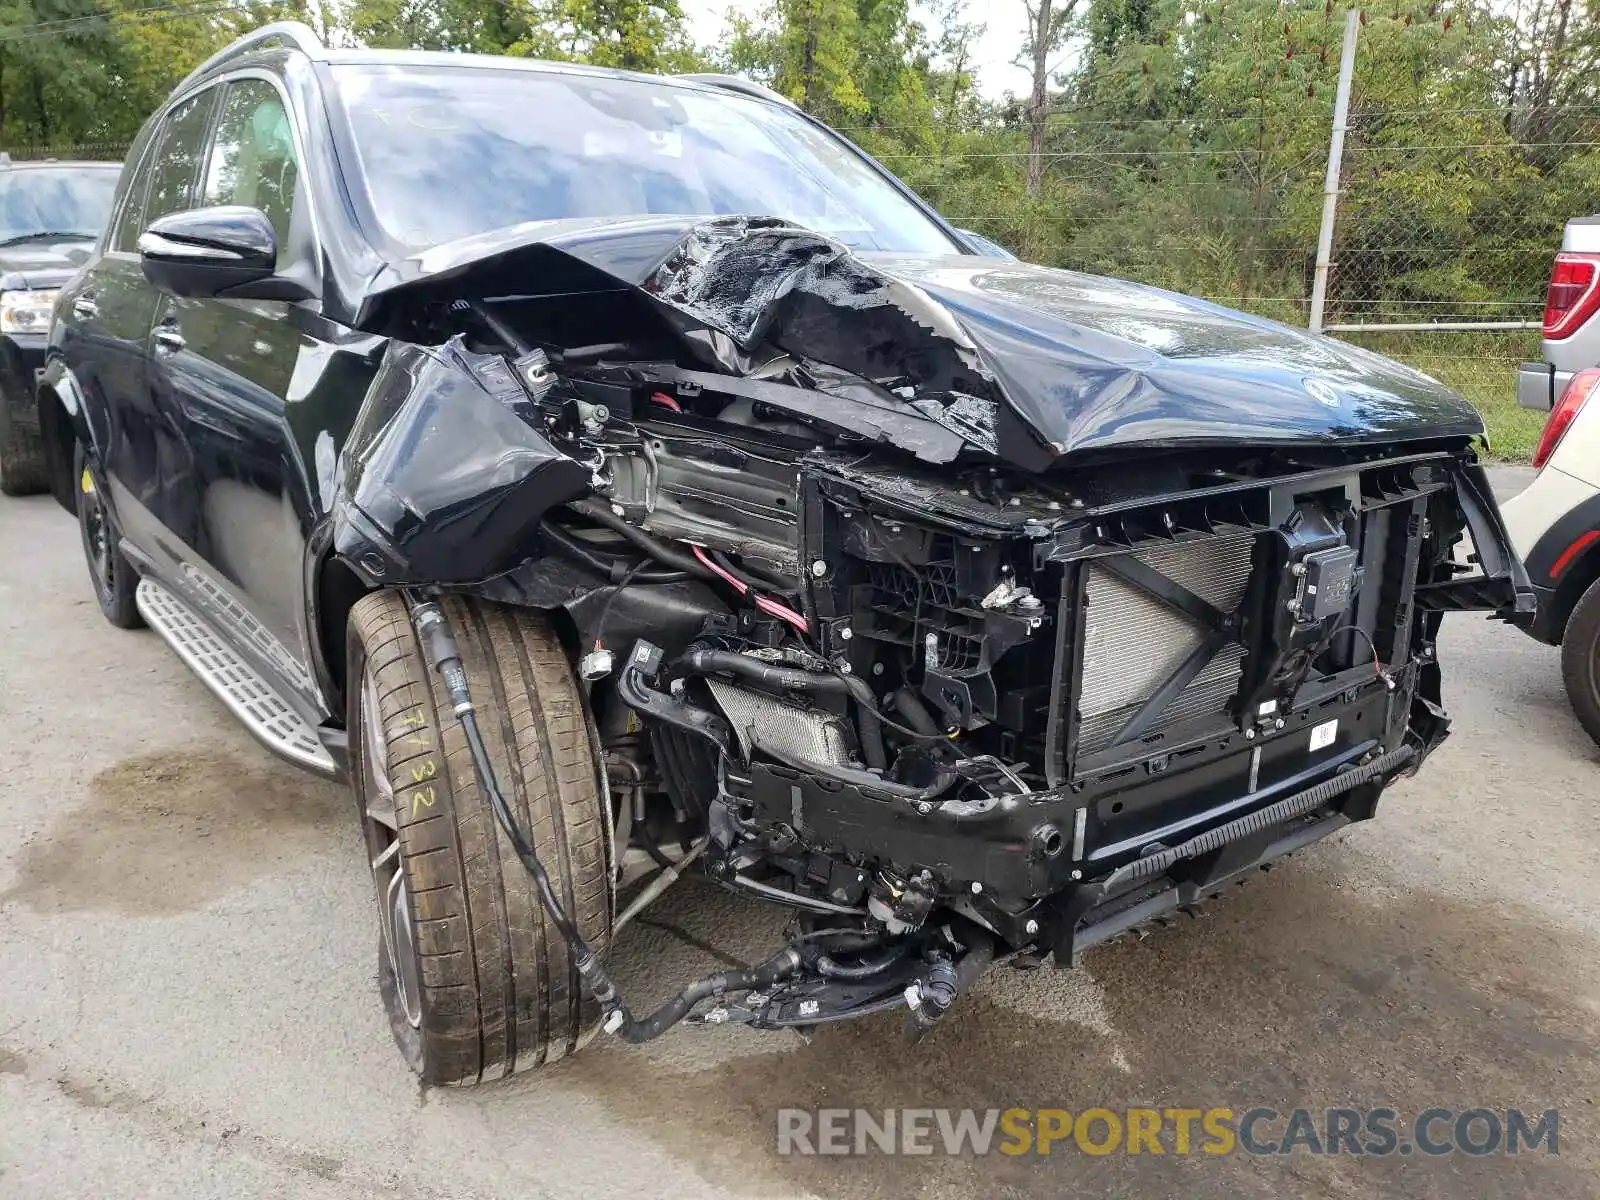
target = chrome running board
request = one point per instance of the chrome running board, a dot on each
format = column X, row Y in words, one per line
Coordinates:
column 237, row 684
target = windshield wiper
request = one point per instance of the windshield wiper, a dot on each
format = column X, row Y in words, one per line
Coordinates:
column 49, row 235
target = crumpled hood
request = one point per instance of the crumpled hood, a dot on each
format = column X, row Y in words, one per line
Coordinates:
column 1026, row 362
column 1092, row 362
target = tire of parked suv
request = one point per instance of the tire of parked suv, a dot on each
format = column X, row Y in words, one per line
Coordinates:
column 1580, row 660
column 22, row 465
column 476, row 981
column 112, row 576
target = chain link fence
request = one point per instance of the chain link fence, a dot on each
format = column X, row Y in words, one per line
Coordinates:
column 78, row 152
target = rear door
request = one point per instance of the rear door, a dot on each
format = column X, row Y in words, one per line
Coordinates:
column 224, row 368
column 110, row 308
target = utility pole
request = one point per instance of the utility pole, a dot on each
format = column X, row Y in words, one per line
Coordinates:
column 1330, row 187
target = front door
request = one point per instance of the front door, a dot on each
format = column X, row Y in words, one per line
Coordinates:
column 144, row 453
column 225, row 367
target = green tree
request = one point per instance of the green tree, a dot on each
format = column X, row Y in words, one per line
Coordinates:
column 806, row 49
column 634, row 35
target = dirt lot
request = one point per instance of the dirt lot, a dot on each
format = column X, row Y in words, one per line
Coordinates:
column 188, row 1003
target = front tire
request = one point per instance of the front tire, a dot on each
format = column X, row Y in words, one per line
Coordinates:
column 113, row 577
column 1580, row 660
column 475, row 979
column 22, row 462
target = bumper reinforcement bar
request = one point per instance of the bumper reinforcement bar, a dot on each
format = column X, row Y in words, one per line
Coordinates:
column 1287, row 809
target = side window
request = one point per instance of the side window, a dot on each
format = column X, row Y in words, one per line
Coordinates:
column 127, row 209
column 252, row 157
column 176, row 158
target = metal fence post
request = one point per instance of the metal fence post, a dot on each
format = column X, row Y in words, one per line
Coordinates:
column 1330, row 187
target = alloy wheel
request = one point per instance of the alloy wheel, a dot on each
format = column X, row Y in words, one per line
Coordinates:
column 382, row 827
column 97, row 541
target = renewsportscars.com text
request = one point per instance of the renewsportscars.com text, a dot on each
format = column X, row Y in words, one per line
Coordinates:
column 1176, row 1131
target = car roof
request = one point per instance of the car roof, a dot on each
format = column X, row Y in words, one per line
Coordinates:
column 444, row 59
column 281, row 37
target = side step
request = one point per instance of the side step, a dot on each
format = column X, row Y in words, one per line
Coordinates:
column 237, row 684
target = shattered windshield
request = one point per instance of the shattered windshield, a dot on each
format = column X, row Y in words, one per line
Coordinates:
column 452, row 151
column 46, row 202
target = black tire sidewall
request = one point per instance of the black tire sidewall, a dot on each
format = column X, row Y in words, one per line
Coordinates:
column 117, row 601
column 409, row 1040
column 22, row 461
column 499, row 988
column 1580, row 660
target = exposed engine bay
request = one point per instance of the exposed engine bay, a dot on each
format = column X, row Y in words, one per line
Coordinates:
column 864, row 638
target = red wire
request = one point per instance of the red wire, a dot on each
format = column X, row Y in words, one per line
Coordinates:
column 733, row 581
column 666, row 401
column 771, row 607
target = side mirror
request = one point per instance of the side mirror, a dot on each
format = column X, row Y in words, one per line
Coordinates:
column 229, row 250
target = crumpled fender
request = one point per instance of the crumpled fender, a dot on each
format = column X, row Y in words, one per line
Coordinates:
column 441, row 480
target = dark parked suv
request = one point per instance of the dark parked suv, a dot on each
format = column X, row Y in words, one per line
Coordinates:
column 613, row 475
column 51, row 214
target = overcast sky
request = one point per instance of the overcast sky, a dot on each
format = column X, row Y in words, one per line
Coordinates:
column 1004, row 21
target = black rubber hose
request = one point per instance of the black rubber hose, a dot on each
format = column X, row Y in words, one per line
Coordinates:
column 656, row 549
column 779, row 967
column 654, row 850
column 512, row 339
column 871, row 731
column 752, row 578
column 704, row 661
column 649, row 702
column 828, row 966
column 519, row 843
column 574, row 549
column 909, row 705
column 938, row 990
column 868, row 724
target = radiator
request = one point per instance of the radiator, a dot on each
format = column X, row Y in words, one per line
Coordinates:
column 1132, row 642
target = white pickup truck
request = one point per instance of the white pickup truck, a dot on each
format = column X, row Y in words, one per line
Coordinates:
column 1555, row 522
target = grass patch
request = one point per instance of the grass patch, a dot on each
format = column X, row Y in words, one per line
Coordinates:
column 1483, row 368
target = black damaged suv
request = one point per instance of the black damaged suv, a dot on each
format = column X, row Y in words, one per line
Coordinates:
column 614, row 476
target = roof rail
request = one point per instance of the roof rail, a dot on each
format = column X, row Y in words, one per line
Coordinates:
column 295, row 34
column 735, row 83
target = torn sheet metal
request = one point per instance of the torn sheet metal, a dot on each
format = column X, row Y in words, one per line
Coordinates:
column 444, row 478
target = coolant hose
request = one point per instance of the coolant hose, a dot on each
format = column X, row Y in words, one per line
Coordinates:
column 909, row 705
column 644, row 660
column 777, row 968
column 833, row 969
column 704, row 661
column 572, row 548
column 656, row 549
column 931, row 996
column 868, row 723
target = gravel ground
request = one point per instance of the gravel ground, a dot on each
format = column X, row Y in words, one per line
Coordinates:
column 188, row 1004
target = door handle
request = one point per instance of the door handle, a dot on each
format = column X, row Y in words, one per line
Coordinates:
column 169, row 340
column 85, row 309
